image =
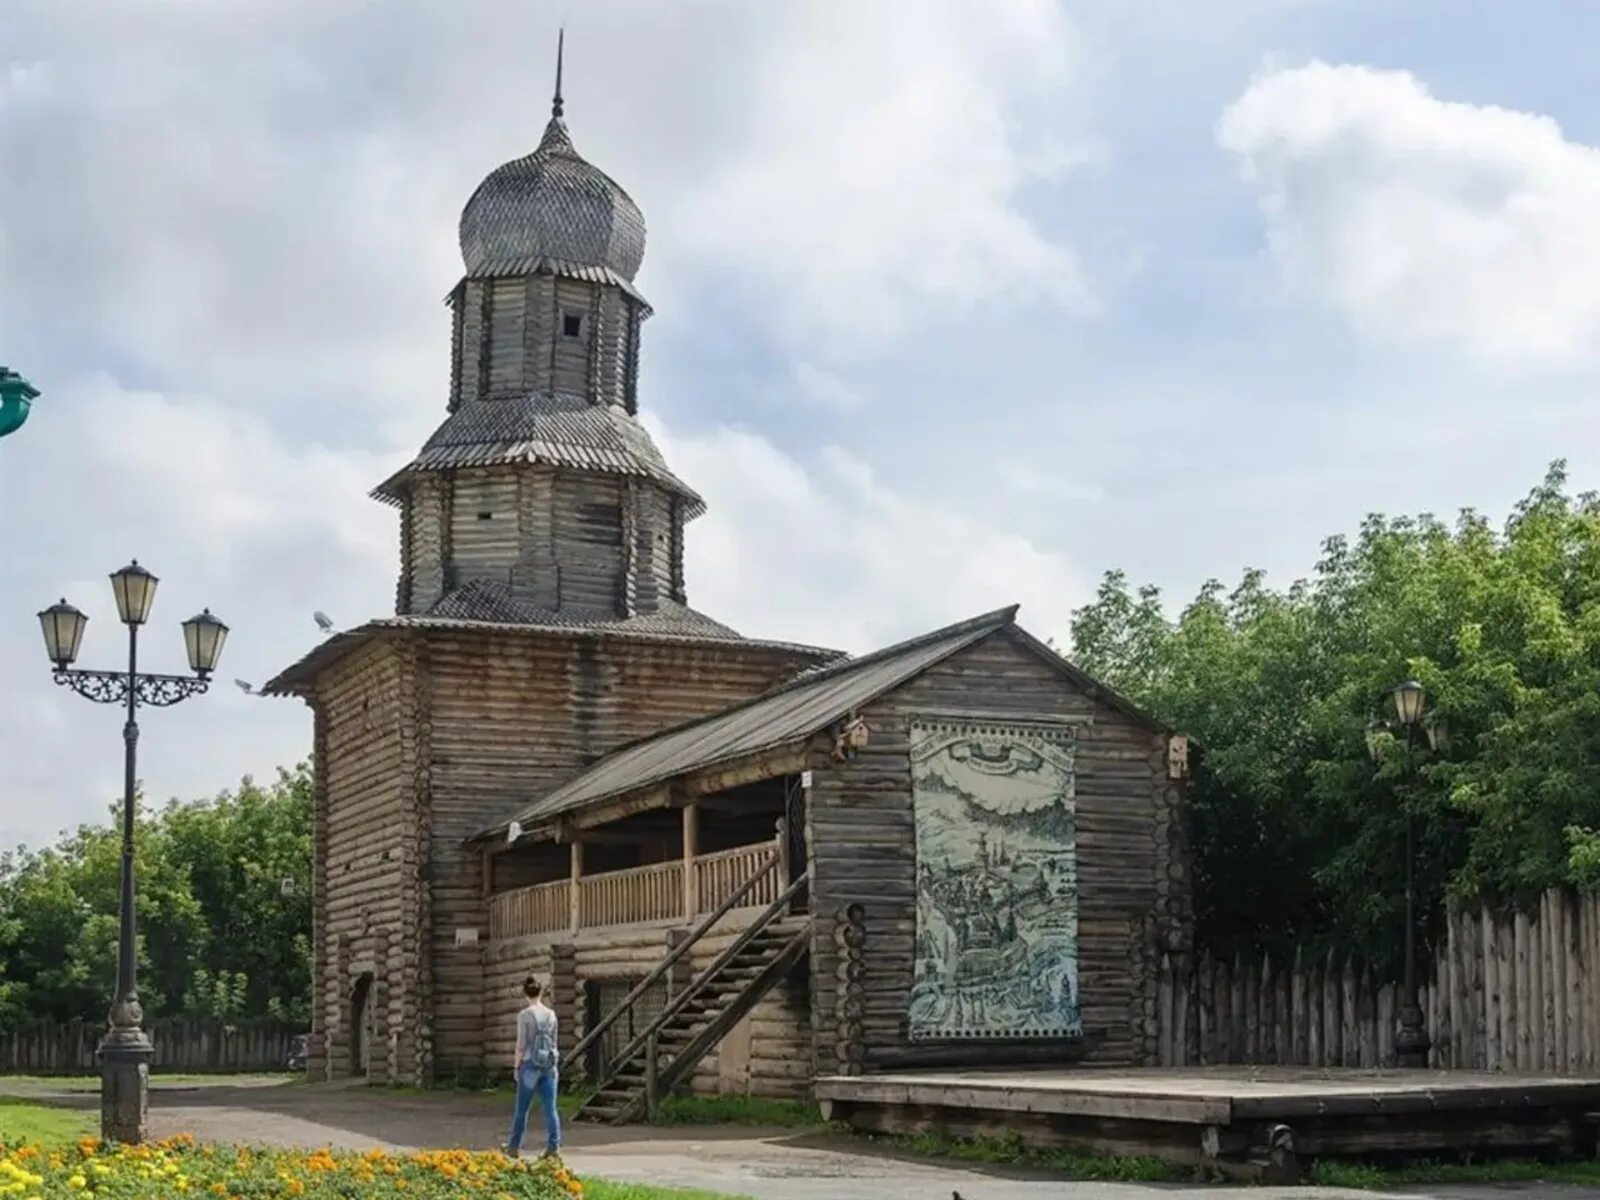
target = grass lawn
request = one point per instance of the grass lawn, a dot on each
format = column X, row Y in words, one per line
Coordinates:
column 21, row 1121
column 1076, row 1166
column 1373, row 1178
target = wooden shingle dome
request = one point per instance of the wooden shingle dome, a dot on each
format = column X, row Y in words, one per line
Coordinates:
column 552, row 210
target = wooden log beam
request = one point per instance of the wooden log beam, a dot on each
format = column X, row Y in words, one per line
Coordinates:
column 691, row 848
column 576, row 876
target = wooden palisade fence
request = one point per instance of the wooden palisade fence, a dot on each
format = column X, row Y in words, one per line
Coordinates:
column 181, row 1044
column 1505, row 992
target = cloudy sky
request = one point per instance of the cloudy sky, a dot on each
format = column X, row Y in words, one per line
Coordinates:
column 959, row 302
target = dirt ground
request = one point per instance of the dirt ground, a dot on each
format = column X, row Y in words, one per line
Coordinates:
column 763, row 1164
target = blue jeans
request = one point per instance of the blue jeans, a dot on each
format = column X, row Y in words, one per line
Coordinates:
column 532, row 1082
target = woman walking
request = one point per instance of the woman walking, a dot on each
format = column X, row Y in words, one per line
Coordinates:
column 536, row 1064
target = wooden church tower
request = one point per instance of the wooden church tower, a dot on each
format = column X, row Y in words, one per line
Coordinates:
column 540, row 617
column 541, row 498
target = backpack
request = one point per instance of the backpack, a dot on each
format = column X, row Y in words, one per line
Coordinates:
column 542, row 1054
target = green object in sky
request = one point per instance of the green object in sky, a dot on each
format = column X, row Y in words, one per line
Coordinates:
column 16, row 398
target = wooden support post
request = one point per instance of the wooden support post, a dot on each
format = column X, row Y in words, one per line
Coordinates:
column 691, row 847
column 652, row 1067
column 782, row 834
column 575, row 893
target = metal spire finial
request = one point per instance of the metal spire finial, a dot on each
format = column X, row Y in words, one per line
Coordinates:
column 561, row 44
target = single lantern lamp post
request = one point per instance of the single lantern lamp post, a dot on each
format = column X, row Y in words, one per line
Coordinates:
column 125, row 1051
column 1410, row 702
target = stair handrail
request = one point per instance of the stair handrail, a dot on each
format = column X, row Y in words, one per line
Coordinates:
column 659, row 1079
column 661, row 968
column 700, row 981
column 746, row 936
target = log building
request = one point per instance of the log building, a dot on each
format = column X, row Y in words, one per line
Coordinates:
column 739, row 863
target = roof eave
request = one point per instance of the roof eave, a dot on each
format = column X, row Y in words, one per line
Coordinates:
column 979, row 627
column 392, row 490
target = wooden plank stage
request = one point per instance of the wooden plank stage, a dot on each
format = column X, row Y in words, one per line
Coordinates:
column 1245, row 1121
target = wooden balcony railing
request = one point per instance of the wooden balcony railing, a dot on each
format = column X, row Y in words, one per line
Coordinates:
column 652, row 893
column 719, row 875
column 542, row 908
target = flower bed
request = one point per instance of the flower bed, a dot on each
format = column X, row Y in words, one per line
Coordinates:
column 176, row 1167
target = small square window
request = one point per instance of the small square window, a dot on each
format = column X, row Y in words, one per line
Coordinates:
column 571, row 324
column 486, row 516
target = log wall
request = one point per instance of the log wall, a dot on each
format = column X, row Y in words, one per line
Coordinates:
column 509, row 715
column 766, row 1054
column 365, row 904
column 1132, row 872
column 509, row 337
column 589, row 544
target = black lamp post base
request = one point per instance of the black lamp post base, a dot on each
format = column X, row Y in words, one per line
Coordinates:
column 1411, row 1042
column 125, row 1086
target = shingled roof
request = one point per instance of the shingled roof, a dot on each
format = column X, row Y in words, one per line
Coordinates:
column 671, row 624
column 796, row 709
column 556, row 429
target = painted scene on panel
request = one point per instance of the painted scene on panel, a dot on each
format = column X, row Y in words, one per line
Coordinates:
column 997, row 882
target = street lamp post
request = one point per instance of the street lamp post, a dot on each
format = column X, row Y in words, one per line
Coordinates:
column 125, row 1051
column 1411, row 1039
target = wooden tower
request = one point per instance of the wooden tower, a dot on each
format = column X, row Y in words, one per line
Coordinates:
column 540, row 618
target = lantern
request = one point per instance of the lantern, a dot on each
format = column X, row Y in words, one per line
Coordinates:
column 63, row 633
column 203, row 636
column 1409, row 701
column 135, row 590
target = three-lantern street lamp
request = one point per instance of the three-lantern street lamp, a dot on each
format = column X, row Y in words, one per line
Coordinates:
column 125, row 1051
column 1410, row 701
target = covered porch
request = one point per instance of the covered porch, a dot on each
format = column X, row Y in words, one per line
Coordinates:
column 686, row 855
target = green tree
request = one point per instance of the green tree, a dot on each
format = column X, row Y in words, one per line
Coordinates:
column 223, row 907
column 1296, row 833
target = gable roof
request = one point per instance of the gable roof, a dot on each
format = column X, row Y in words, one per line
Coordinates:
column 793, row 710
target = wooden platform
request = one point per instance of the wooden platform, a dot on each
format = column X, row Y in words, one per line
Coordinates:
column 1259, row 1121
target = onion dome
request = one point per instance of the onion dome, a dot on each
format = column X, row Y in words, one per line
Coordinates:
column 551, row 210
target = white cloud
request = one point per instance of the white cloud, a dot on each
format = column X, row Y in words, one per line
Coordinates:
column 224, row 259
column 230, row 517
column 833, row 556
column 879, row 173
column 1422, row 219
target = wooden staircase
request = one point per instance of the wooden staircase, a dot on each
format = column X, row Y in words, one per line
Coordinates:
column 665, row 1053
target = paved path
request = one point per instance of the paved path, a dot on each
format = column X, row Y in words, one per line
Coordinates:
column 763, row 1164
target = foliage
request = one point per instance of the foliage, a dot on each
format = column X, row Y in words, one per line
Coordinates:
column 1296, row 833
column 1334, row 1173
column 173, row 1167
column 224, row 906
